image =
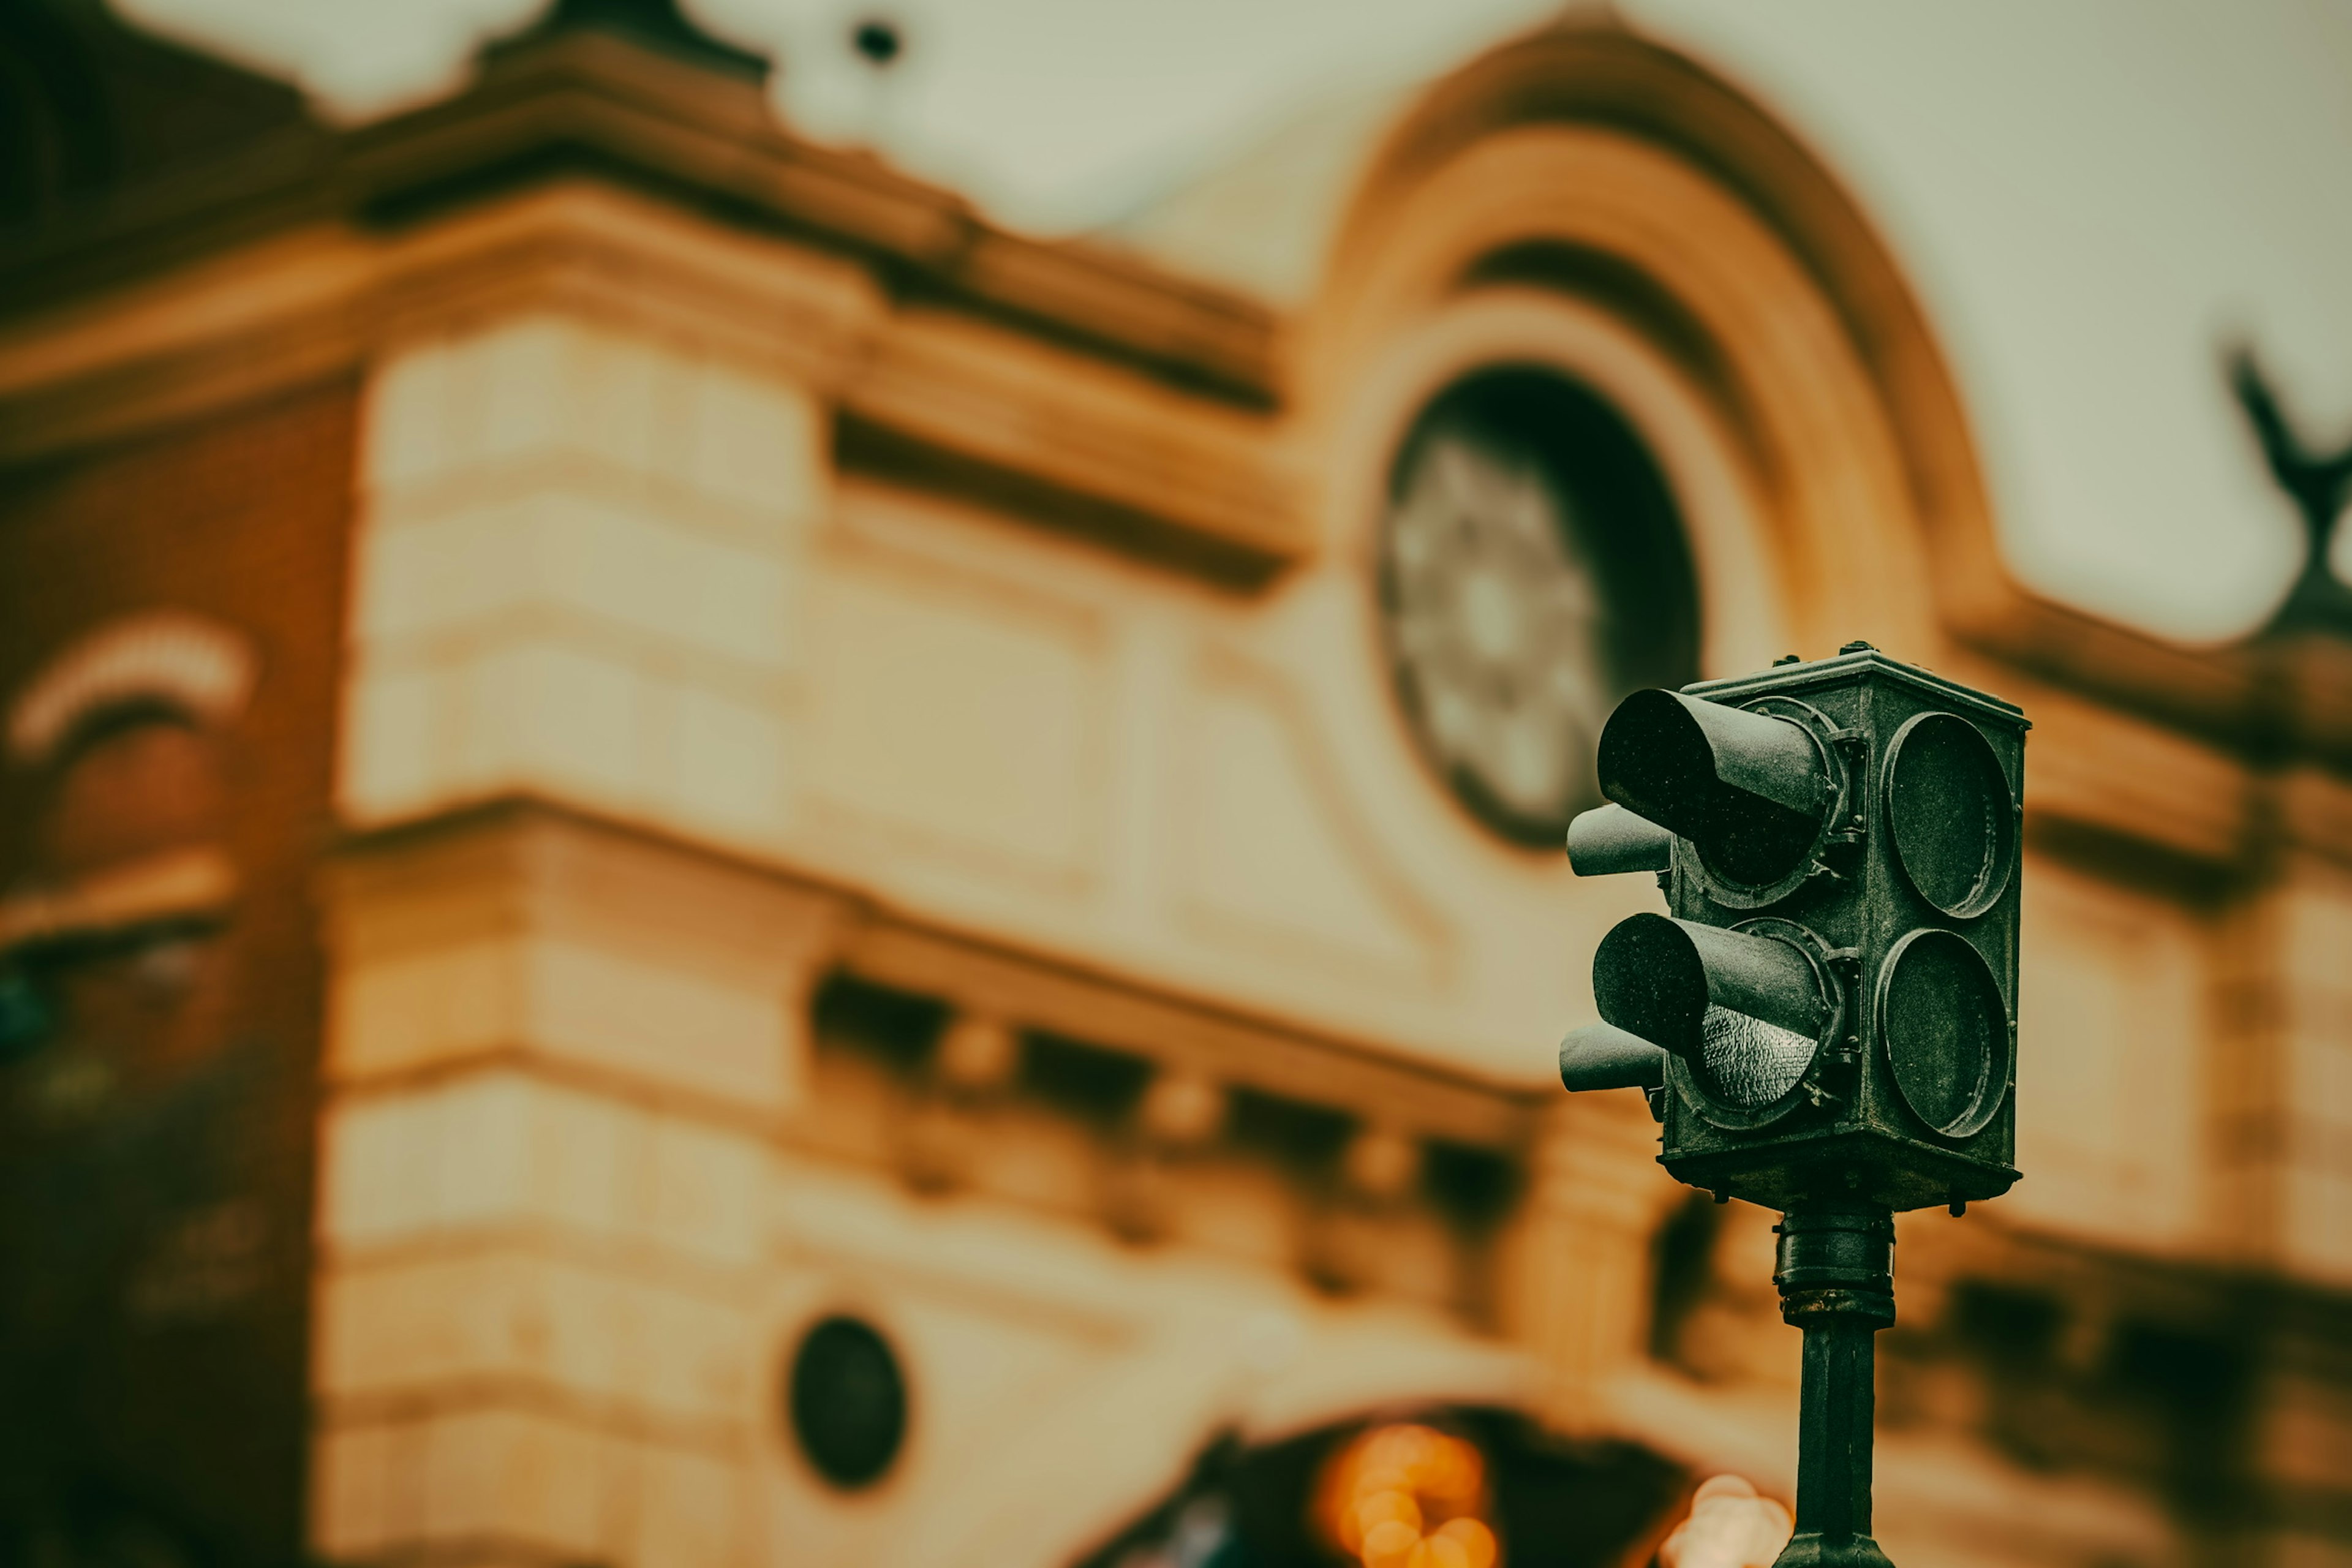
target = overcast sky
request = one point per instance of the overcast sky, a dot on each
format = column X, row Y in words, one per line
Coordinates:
column 1054, row 113
column 2090, row 196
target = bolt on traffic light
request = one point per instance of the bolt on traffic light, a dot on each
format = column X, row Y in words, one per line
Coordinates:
column 1828, row 1009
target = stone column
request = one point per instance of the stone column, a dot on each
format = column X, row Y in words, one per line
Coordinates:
column 567, row 1006
column 576, row 575
column 558, row 1055
column 1580, row 1286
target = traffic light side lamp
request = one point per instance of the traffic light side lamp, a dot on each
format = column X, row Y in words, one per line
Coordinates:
column 1824, row 1019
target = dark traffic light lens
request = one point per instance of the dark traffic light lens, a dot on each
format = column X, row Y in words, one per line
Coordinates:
column 1949, row 801
column 1946, row 1031
column 1760, row 845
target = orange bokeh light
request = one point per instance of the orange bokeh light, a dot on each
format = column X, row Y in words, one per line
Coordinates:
column 1409, row 1496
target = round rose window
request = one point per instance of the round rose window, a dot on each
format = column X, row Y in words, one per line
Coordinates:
column 1533, row 569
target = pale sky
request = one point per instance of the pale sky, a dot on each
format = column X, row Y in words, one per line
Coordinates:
column 2091, row 196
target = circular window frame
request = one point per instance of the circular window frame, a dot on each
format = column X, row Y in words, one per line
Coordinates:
column 1535, row 412
column 1741, row 614
column 847, row 1482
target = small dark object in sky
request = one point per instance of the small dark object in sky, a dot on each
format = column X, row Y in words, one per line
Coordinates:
column 878, row 40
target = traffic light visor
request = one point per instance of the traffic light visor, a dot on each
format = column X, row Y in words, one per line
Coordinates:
column 1749, row 790
column 1746, row 1012
column 1609, row 840
column 1601, row 1056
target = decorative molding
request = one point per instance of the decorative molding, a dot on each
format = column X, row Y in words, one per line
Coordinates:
column 584, row 174
column 181, row 660
column 1609, row 80
column 191, row 886
column 1189, row 1036
column 414, row 879
column 975, row 407
column 1087, row 445
column 588, row 103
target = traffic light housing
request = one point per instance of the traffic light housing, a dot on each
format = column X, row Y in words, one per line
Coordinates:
column 1828, row 1009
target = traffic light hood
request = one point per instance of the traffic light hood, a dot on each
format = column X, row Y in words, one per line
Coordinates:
column 1750, row 790
column 1657, row 977
column 1601, row 1056
column 1827, row 1009
column 1609, row 839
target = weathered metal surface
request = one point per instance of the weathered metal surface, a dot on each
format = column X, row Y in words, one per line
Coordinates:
column 1825, row 1019
column 1835, row 989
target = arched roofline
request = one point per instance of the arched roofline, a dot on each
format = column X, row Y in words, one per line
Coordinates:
column 1598, row 75
column 1603, row 77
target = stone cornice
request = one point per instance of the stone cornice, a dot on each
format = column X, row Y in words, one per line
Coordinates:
column 1076, row 439
column 585, row 173
column 971, row 972
column 588, row 102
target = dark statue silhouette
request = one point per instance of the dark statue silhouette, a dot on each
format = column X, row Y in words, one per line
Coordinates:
column 2321, row 489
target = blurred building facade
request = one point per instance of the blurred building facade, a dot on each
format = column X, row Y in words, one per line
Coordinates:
column 704, row 864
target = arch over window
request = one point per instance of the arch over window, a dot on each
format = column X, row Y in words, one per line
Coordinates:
column 165, row 661
column 1593, row 166
column 124, row 727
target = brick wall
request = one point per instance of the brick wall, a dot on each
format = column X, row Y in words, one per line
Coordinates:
column 155, row 1138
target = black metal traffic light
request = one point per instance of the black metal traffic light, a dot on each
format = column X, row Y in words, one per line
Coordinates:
column 1825, row 1018
column 1833, row 996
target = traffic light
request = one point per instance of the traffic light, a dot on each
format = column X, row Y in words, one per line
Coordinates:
column 1827, row 1012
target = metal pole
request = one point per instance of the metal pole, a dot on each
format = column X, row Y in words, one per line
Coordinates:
column 1837, row 1284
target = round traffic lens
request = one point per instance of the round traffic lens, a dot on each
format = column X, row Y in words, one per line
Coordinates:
column 1945, row 1030
column 1949, row 804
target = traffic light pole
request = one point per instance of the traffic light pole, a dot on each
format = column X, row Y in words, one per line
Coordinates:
column 1836, row 1279
column 1824, row 1018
